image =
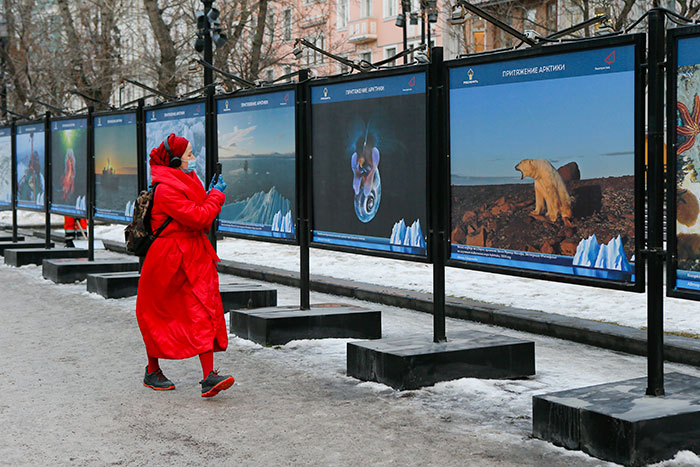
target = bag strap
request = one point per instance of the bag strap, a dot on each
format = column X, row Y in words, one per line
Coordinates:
column 167, row 221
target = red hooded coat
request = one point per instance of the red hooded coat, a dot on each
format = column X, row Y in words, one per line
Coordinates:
column 178, row 305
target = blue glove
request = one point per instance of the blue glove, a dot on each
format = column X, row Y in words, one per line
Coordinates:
column 219, row 185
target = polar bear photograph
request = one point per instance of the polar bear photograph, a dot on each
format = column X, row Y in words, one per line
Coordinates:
column 550, row 189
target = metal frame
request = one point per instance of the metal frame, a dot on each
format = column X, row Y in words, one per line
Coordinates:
column 47, row 175
column 637, row 40
column 395, row 71
column 107, row 113
column 673, row 35
column 262, row 91
column 49, row 153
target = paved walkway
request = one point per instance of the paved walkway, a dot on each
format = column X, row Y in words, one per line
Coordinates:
column 71, row 365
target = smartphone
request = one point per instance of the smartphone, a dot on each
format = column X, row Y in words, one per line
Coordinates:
column 218, row 171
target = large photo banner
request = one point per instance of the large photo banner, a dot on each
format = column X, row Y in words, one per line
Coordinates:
column 369, row 164
column 5, row 168
column 30, row 148
column 116, row 166
column 542, row 156
column 69, row 166
column 687, row 163
column 184, row 120
column 256, row 148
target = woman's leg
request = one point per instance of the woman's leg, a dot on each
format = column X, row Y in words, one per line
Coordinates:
column 207, row 361
column 153, row 364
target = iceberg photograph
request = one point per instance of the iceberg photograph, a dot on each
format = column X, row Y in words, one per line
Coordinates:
column 187, row 121
column 256, row 149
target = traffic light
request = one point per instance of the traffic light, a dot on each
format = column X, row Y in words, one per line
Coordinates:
column 211, row 19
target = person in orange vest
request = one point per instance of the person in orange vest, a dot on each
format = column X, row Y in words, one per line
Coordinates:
column 71, row 224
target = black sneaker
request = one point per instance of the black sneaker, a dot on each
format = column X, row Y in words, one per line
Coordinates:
column 215, row 383
column 157, row 381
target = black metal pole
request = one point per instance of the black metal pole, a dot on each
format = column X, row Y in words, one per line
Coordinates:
column 47, row 177
column 405, row 28
column 438, row 198
column 422, row 22
column 141, row 145
column 90, row 202
column 655, row 190
column 210, row 111
column 13, row 184
column 304, row 188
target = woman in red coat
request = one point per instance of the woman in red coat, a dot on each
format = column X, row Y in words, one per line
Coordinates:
column 178, row 305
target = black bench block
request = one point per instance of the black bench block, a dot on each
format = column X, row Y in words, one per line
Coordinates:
column 114, row 284
column 67, row 270
column 239, row 296
column 412, row 362
column 279, row 325
column 24, row 256
column 617, row 422
column 9, row 245
column 8, row 238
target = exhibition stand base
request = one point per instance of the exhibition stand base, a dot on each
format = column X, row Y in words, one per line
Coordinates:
column 617, row 422
column 67, row 270
column 238, row 296
column 279, row 325
column 114, row 284
column 412, row 362
column 126, row 284
column 19, row 244
column 24, row 256
column 8, row 238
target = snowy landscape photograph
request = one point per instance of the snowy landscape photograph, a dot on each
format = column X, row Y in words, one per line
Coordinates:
column 30, row 148
column 69, row 167
column 5, row 167
column 542, row 177
column 256, row 148
column 369, row 165
column 116, row 162
column 186, row 121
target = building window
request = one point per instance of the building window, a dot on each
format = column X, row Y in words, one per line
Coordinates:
column 366, row 56
column 313, row 57
column 478, row 41
column 342, row 67
column 531, row 16
column 390, row 8
column 269, row 75
column 342, row 12
column 390, row 52
column 287, row 25
column 365, row 8
column 287, row 70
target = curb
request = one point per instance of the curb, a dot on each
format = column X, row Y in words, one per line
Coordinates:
column 625, row 339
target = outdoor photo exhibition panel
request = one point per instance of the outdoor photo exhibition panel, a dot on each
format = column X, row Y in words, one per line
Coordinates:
column 684, row 163
column 369, row 164
column 186, row 120
column 69, row 166
column 116, row 166
column 30, row 159
column 544, row 152
column 5, row 168
column 256, row 149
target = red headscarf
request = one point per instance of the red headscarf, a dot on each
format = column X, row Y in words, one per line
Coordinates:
column 178, row 145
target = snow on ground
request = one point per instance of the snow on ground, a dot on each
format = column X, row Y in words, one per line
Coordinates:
column 498, row 409
column 625, row 308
